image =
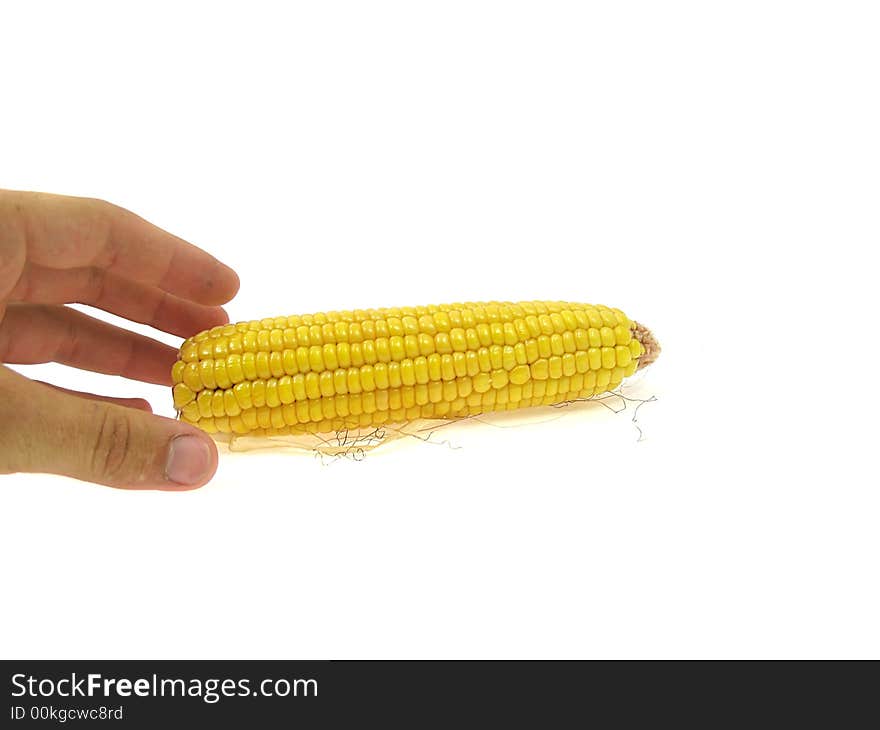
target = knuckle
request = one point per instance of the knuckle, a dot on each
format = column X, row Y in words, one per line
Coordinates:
column 95, row 284
column 112, row 455
column 104, row 211
column 98, row 205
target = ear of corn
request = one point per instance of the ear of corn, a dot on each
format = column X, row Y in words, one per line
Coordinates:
column 331, row 371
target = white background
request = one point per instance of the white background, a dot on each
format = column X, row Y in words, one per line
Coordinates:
column 710, row 168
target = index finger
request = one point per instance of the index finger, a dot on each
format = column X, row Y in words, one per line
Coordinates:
column 62, row 232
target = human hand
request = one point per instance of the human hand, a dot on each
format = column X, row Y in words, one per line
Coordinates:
column 56, row 250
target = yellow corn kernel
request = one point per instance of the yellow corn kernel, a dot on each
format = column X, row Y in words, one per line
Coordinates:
column 216, row 349
column 288, row 414
column 285, row 389
column 325, row 383
column 484, row 360
column 508, row 358
column 533, row 326
column 519, row 374
column 220, row 375
column 396, row 346
column 191, row 377
column 261, row 363
column 205, row 403
column 472, row 364
column 288, row 362
column 499, row 378
column 410, row 345
column 353, row 380
column 531, row 347
column 218, row 407
column 190, row 412
column 276, row 366
column 331, row 361
column 182, row 395
column 426, row 344
column 272, row 399
column 407, row 372
column 496, row 357
column 544, row 348
column 258, row 393
column 298, row 385
column 316, row 358
column 540, row 369
column 482, row 382
column 368, row 382
column 230, row 404
column 243, row 395
column 459, row 364
column 234, row 370
column 447, row 367
column 248, row 368
column 343, row 355
column 435, row 390
column 609, row 357
column 189, row 352
column 442, row 343
column 383, row 350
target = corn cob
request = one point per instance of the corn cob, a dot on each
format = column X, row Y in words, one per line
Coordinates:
column 341, row 370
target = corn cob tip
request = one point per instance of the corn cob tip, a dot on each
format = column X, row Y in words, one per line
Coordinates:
column 649, row 342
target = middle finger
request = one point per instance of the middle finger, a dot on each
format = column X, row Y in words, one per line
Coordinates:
column 32, row 333
column 114, row 294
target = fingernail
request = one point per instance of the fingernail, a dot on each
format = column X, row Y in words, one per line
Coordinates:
column 189, row 460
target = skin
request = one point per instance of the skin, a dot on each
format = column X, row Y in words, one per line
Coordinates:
column 57, row 250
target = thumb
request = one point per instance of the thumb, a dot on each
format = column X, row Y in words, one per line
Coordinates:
column 45, row 430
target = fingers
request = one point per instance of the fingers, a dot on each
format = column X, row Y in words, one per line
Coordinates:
column 112, row 293
column 138, row 403
column 31, row 333
column 44, row 430
column 61, row 232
